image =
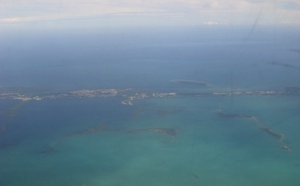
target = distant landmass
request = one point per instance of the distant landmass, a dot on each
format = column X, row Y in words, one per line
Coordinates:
column 130, row 95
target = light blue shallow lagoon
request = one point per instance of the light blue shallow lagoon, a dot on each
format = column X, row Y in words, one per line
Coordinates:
column 181, row 140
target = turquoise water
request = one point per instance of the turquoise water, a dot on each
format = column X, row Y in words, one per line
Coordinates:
column 58, row 142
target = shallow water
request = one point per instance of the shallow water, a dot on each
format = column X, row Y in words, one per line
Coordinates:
column 57, row 146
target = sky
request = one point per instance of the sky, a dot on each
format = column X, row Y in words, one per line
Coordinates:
column 122, row 13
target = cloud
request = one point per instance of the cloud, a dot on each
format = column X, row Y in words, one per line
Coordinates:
column 12, row 19
column 255, row 1
column 186, row 11
column 290, row 5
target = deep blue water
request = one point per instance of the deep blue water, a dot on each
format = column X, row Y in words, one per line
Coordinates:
column 150, row 58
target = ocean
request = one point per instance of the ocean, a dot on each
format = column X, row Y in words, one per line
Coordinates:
column 246, row 136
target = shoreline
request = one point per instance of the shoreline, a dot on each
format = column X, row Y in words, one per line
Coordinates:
column 130, row 95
